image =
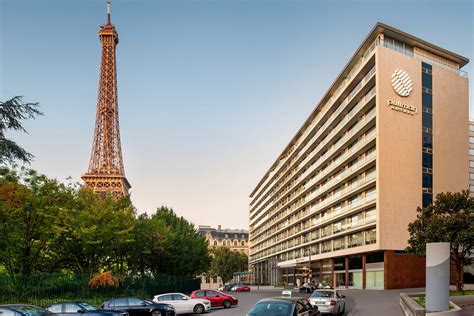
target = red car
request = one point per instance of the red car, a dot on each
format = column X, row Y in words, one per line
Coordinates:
column 241, row 288
column 217, row 298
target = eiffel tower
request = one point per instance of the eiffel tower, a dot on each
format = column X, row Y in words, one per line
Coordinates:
column 106, row 173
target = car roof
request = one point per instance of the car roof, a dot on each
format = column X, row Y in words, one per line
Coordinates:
column 170, row 294
column 19, row 305
column 282, row 298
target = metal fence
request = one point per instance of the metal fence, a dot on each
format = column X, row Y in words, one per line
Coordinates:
column 45, row 289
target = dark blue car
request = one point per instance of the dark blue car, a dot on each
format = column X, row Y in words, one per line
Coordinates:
column 139, row 307
column 22, row 310
column 79, row 309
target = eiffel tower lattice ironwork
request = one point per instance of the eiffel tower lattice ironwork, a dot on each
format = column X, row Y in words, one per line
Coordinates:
column 106, row 173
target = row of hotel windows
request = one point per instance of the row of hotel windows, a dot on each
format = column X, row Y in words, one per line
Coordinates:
column 353, row 92
column 227, row 243
column 275, row 213
column 357, row 180
column 345, row 207
column 358, row 239
column 427, row 132
column 351, row 129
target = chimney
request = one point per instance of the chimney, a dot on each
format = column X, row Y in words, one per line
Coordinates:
column 218, row 227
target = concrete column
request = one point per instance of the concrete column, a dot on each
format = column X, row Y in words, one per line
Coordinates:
column 332, row 274
column 437, row 276
column 363, row 271
column 347, row 271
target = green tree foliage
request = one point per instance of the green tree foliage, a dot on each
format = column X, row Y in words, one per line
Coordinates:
column 449, row 219
column 226, row 262
column 46, row 226
column 30, row 209
column 12, row 112
column 184, row 251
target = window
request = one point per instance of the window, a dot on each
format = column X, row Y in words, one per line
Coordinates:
column 235, row 242
column 178, row 297
column 215, row 242
column 56, row 308
column 427, row 180
column 120, row 302
column 243, row 243
column 200, row 294
column 370, row 236
column 471, row 176
column 71, row 308
column 211, row 293
column 471, row 164
column 427, row 140
column 427, row 199
column 132, row 301
column 428, row 121
column 427, row 100
column 6, row 312
column 427, row 160
column 471, row 140
column 427, row 80
column 471, row 152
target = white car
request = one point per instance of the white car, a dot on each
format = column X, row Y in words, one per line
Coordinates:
column 184, row 304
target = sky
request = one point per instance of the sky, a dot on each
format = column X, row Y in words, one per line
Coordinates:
column 210, row 91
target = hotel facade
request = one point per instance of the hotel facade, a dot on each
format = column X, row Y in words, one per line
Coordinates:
column 389, row 134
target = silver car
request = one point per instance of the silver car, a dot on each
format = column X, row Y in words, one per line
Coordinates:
column 329, row 301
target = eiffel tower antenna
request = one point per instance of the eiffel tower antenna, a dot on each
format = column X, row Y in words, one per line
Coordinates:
column 108, row 11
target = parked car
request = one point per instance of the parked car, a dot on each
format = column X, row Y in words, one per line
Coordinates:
column 217, row 298
column 135, row 306
column 241, row 288
column 329, row 301
column 307, row 288
column 184, row 304
column 23, row 310
column 284, row 306
column 225, row 288
column 80, row 308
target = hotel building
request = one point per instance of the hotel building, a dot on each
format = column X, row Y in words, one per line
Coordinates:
column 389, row 134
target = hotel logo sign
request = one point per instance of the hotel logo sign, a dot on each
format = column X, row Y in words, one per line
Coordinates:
column 405, row 108
column 402, row 83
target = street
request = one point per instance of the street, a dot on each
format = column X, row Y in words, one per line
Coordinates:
column 358, row 302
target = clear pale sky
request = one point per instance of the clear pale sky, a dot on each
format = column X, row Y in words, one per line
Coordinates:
column 210, row 92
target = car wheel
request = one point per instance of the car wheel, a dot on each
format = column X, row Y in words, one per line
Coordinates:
column 156, row 313
column 198, row 309
column 226, row 304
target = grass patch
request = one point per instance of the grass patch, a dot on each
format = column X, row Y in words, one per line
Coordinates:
column 461, row 293
column 420, row 300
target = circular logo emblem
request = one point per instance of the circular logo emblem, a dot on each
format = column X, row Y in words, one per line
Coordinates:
column 402, row 83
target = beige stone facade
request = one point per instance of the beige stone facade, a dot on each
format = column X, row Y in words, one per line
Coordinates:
column 388, row 135
column 235, row 239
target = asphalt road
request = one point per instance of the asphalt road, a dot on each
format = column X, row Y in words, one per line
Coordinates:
column 358, row 302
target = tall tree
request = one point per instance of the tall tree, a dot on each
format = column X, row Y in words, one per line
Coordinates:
column 449, row 219
column 226, row 262
column 12, row 113
column 30, row 208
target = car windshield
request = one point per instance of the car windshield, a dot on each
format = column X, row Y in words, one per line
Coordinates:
column 147, row 301
column 30, row 310
column 271, row 308
column 88, row 307
column 322, row 294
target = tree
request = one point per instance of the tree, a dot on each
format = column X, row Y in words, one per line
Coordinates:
column 226, row 262
column 12, row 112
column 30, row 208
column 449, row 219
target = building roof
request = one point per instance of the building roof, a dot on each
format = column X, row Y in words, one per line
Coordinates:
column 220, row 234
column 376, row 30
